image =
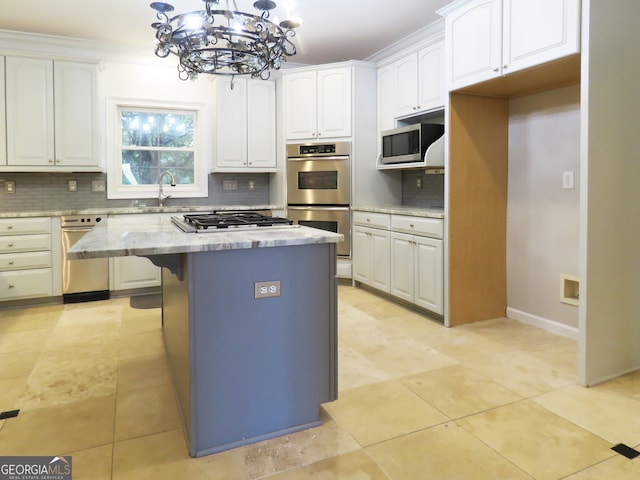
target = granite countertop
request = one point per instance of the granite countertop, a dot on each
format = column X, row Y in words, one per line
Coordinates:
column 136, row 209
column 151, row 234
column 402, row 210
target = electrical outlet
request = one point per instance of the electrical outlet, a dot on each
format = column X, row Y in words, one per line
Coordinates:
column 252, row 185
column 567, row 180
column 9, row 186
column 73, row 185
column 267, row 289
column 418, row 182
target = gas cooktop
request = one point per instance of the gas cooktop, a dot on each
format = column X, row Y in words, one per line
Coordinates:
column 216, row 221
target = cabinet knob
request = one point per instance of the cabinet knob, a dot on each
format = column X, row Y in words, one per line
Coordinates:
column 496, row 69
column 10, row 245
column 10, row 262
column 418, row 107
column 505, row 66
column 50, row 161
column 10, row 227
column 11, row 285
column 411, row 225
column 368, row 219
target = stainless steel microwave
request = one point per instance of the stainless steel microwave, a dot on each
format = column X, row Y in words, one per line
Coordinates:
column 409, row 144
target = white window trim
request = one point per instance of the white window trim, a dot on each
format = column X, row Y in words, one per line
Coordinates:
column 115, row 188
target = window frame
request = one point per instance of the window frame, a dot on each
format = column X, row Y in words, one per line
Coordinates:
column 201, row 150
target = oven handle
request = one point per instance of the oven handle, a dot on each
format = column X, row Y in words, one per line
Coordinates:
column 317, row 207
column 306, row 159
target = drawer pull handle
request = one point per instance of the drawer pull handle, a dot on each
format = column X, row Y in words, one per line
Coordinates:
column 10, row 227
column 10, row 245
column 10, row 262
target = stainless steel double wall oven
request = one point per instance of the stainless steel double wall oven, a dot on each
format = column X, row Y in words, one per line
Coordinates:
column 319, row 188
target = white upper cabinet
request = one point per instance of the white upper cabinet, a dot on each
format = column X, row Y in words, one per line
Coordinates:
column 486, row 39
column 245, row 125
column 539, row 32
column 317, row 103
column 3, row 127
column 51, row 114
column 411, row 85
column 420, row 78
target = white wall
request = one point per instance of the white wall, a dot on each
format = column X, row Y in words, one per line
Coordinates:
column 610, row 204
column 542, row 217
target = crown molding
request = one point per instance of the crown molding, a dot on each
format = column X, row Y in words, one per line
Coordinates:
column 428, row 35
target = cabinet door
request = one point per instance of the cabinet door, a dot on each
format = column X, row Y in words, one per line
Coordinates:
column 29, row 98
column 300, row 105
column 231, row 124
column 133, row 272
column 386, row 99
column 334, row 102
column 75, row 114
column 380, row 260
column 402, row 266
column 474, row 43
column 3, row 125
column 361, row 255
column 429, row 271
column 538, row 32
column 406, row 85
column 431, row 91
column 261, row 124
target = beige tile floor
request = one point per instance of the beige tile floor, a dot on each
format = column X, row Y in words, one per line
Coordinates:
column 493, row 400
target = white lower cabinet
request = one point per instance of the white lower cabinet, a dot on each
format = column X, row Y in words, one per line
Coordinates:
column 371, row 257
column 401, row 255
column 25, row 258
column 128, row 273
column 417, row 270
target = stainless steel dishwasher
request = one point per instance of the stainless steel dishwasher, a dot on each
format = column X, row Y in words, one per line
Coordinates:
column 83, row 280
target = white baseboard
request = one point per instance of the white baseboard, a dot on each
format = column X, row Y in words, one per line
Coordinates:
column 544, row 323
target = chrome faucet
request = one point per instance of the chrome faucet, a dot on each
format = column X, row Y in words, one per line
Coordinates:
column 161, row 196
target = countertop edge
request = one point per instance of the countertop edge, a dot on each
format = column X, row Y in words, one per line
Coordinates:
column 402, row 210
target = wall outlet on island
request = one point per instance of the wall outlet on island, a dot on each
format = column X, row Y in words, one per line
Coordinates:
column 267, row 289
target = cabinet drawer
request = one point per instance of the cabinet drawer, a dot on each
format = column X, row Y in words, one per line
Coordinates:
column 25, row 283
column 21, row 261
column 25, row 243
column 369, row 219
column 21, row 226
column 428, row 227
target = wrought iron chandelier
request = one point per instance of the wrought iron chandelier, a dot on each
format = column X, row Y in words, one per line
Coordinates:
column 223, row 42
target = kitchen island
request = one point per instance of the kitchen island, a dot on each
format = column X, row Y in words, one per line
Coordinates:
column 249, row 323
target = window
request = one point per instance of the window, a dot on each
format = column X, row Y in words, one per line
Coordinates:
column 150, row 139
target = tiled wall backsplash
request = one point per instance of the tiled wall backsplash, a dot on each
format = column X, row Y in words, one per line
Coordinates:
column 431, row 195
column 49, row 191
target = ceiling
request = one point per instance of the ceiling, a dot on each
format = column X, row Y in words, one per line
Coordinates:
column 332, row 30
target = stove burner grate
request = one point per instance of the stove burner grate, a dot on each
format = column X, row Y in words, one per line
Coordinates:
column 219, row 220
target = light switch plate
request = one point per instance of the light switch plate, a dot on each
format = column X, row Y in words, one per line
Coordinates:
column 97, row 185
column 229, row 184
